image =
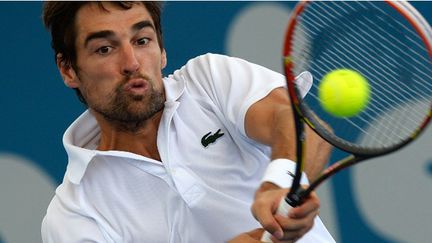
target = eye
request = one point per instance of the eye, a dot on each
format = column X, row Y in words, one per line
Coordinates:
column 104, row 50
column 143, row 41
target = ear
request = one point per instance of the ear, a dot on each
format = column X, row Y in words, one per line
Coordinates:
column 163, row 59
column 68, row 74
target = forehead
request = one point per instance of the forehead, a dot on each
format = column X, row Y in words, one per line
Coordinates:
column 92, row 17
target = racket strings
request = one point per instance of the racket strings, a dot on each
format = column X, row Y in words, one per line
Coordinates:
column 364, row 43
column 381, row 64
column 368, row 38
column 385, row 121
column 409, row 37
column 377, row 136
column 410, row 54
column 390, row 38
column 367, row 26
column 380, row 106
column 377, row 34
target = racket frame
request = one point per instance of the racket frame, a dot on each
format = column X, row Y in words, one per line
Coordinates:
column 303, row 114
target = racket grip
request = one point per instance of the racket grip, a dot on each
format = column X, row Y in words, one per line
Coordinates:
column 282, row 210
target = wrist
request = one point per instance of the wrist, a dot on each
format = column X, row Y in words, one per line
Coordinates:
column 281, row 173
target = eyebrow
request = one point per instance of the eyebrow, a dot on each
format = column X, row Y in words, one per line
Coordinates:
column 104, row 34
column 143, row 24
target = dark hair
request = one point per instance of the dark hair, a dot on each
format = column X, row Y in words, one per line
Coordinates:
column 59, row 19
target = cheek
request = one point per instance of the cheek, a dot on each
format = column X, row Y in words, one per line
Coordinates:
column 152, row 60
column 97, row 85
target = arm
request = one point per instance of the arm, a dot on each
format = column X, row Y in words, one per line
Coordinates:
column 317, row 154
column 270, row 121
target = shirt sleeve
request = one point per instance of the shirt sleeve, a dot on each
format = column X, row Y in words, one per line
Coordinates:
column 63, row 224
column 232, row 84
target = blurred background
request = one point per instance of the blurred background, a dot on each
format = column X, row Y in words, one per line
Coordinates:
column 386, row 201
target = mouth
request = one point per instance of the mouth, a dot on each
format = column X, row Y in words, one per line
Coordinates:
column 136, row 86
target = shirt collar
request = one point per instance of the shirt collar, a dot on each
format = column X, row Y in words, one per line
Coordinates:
column 174, row 88
column 82, row 137
column 80, row 141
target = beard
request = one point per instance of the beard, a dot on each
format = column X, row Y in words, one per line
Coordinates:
column 130, row 112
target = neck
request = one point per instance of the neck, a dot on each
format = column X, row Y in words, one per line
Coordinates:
column 139, row 138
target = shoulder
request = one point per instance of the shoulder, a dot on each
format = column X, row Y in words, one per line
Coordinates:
column 205, row 70
column 212, row 66
column 217, row 59
column 66, row 220
column 211, row 57
column 64, row 204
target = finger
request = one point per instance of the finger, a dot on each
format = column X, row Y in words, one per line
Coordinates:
column 292, row 224
column 296, row 228
column 264, row 209
column 266, row 218
column 311, row 205
column 282, row 241
column 256, row 233
column 249, row 237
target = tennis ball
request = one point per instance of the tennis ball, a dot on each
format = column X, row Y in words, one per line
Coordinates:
column 343, row 93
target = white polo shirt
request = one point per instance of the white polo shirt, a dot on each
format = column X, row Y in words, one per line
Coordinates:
column 203, row 189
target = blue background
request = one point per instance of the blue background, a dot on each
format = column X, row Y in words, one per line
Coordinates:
column 36, row 108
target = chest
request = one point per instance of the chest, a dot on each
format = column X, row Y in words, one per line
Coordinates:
column 195, row 135
column 134, row 202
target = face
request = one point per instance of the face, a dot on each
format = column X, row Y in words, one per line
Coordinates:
column 119, row 63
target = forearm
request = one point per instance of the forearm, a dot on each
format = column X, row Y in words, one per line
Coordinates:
column 283, row 142
column 317, row 154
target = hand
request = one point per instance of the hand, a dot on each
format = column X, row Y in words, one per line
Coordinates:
column 253, row 236
column 299, row 220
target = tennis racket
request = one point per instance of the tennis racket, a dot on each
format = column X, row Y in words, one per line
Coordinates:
column 389, row 43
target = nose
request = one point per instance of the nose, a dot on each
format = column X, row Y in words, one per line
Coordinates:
column 129, row 61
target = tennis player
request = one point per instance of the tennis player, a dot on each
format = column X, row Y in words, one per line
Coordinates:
column 168, row 159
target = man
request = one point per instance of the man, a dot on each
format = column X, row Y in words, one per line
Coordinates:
column 175, row 159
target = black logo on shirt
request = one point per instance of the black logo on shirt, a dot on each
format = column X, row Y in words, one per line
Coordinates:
column 211, row 138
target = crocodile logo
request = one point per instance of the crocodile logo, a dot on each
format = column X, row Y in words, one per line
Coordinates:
column 210, row 138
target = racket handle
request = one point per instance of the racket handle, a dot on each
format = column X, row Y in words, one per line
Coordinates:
column 282, row 210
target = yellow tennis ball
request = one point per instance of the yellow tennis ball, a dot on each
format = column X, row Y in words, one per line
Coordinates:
column 344, row 93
